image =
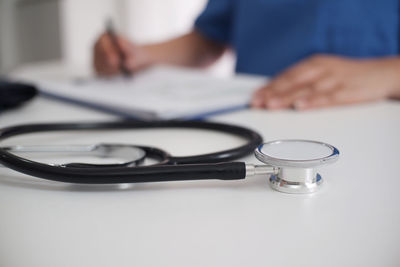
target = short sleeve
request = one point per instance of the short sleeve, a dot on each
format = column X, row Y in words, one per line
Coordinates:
column 215, row 22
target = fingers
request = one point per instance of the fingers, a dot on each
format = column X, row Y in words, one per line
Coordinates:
column 311, row 83
column 135, row 57
column 127, row 54
column 258, row 98
column 108, row 58
column 298, row 96
column 324, row 85
column 315, row 101
column 297, row 82
column 339, row 95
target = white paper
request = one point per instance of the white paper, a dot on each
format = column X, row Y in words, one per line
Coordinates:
column 161, row 92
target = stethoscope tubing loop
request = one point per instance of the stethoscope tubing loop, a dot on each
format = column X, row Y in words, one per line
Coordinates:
column 206, row 166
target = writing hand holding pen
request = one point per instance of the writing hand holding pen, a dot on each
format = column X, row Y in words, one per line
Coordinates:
column 189, row 50
column 114, row 55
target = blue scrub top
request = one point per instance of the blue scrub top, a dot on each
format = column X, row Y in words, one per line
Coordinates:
column 270, row 35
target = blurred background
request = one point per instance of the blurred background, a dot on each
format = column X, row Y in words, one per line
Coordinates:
column 63, row 32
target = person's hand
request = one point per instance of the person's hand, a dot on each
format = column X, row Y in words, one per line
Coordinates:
column 107, row 60
column 323, row 81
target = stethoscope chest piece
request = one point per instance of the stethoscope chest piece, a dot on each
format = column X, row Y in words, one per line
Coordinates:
column 295, row 162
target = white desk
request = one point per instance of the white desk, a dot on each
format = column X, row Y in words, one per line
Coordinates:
column 353, row 221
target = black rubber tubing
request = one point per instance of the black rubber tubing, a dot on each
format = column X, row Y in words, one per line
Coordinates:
column 199, row 167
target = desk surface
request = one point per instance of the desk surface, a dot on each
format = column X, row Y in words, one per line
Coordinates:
column 353, row 221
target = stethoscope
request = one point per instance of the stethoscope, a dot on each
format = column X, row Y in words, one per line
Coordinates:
column 290, row 164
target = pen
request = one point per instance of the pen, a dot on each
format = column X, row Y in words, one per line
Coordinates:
column 122, row 57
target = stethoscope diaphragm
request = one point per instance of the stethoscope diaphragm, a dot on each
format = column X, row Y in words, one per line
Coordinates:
column 295, row 162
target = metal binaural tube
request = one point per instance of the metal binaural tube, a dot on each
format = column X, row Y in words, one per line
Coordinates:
column 51, row 148
column 252, row 170
column 129, row 154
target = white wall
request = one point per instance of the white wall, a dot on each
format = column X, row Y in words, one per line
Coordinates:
column 157, row 20
column 29, row 32
column 37, row 30
column 81, row 23
column 8, row 53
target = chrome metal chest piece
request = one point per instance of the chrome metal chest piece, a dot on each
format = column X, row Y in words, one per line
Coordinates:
column 294, row 162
